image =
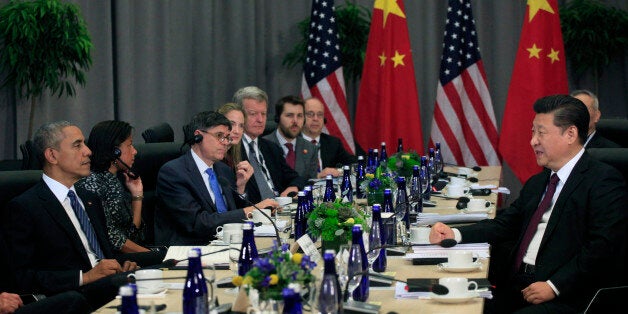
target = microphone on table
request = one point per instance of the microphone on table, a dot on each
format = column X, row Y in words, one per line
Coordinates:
column 169, row 263
column 475, row 168
column 224, row 182
column 446, row 243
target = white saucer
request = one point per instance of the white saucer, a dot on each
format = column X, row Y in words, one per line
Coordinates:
column 454, row 197
column 218, row 242
column 155, row 290
column 454, row 299
column 460, row 269
column 486, row 210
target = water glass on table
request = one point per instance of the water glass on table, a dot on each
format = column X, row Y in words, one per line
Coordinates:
column 235, row 245
column 354, row 269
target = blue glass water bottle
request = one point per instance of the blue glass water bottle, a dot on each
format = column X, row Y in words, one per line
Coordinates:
column 129, row 300
column 370, row 162
column 379, row 265
column 375, row 158
column 438, row 157
column 399, row 145
column 416, row 190
column 300, row 217
column 200, row 274
column 402, row 204
column 360, row 173
column 431, row 162
column 291, row 302
column 362, row 292
column 330, row 295
column 330, row 192
column 248, row 252
column 426, row 181
column 346, row 189
column 194, row 300
column 383, row 156
column 390, row 231
column 308, row 196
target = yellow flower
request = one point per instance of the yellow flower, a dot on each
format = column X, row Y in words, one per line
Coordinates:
column 274, row 279
column 237, row 281
column 296, row 258
column 405, row 157
column 247, row 280
column 369, row 176
column 350, row 221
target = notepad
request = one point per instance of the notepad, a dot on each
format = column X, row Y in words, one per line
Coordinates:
column 219, row 259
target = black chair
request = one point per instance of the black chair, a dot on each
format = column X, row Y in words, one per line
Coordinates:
column 616, row 157
column 608, row 301
column 14, row 183
column 615, row 130
column 159, row 134
column 149, row 159
column 29, row 158
column 188, row 133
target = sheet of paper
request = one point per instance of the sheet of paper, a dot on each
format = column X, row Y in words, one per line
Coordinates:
column 181, row 253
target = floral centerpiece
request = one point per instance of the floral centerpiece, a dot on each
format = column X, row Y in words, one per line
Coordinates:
column 332, row 223
column 402, row 163
column 375, row 184
column 270, row 275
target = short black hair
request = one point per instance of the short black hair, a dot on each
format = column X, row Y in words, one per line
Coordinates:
column 103, row 138
column 567, row 111
column 208, row 119
column 291, row 99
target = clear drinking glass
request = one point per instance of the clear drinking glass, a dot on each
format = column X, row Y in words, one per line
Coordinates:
column 372, row 240
column 354, row 269
column 341, row 261
column 284, row 224
column 235, row 245
column 209, row 271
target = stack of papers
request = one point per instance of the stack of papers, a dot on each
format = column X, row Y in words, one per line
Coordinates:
column 432, row 218
column 267, row 230
column 401, row 292
column 480, row 250
column 220, row 259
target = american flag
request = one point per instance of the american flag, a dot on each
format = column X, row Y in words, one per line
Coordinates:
column 464, row 121
column 322, row 72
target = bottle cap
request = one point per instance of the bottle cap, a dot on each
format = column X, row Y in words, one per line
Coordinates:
column 383, row 143
column 377, row 207
column 330, row 251
column 307, row 188
column 126, row 291
column 345, row 167
column 301, row 193
column 193, row 253
column 247, row 225
column 360, row 157
column 329, row 177
column 375, row 150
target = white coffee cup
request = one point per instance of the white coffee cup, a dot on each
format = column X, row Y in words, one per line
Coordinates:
column 259, row 217
column 142, row 276
column 283, row 200
column 477, row 204
column 458, row 286
column 457, row 181
column 456, row 190
column 420, row 235
column 457, row 258
column 227, row 230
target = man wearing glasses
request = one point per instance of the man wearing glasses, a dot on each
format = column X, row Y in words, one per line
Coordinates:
column 197, row 192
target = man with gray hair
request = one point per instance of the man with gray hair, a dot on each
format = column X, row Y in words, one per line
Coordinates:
column 55, row 232
column 594, row 139
column 272, row 174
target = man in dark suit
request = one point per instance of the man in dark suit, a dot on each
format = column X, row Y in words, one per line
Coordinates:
column 191, row 200
column 569, row 221
column 331, row 153
column 301, row 155
column 54, row 232
column 272, row 175
column 594, row 139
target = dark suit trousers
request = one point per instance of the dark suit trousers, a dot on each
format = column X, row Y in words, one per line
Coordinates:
column 70, row 302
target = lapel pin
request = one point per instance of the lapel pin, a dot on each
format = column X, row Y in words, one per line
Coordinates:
column 305, row 151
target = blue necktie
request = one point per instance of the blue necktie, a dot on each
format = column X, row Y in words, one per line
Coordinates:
column 85, row 225
column 213, row 184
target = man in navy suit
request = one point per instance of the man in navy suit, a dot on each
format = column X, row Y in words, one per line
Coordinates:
column 569, row 222
column 331, row 153
column 594, row 139
column 289, row 115
column 192, row 201
column 54, row 232
column 272, row 175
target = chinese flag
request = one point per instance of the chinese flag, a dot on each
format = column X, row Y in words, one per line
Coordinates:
column 388, row 103
column 539, row 71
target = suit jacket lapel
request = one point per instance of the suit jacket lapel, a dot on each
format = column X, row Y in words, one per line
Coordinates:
column 51, row 204
column 197, row 180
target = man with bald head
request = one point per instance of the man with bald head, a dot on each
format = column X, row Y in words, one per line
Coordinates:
column 331, row 153
column 594, row 139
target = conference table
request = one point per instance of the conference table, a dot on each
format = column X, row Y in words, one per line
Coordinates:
column 383, row 296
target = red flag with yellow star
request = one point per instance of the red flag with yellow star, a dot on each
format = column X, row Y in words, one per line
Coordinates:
column 539, row 71
column 388, row 103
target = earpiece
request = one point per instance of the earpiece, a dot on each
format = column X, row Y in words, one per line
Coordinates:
column 117, row 152
column 324, row 120
column 197, row 138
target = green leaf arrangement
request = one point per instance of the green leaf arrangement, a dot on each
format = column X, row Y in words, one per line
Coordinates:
column 378, row 181
column 333, row 220
column 402, row 163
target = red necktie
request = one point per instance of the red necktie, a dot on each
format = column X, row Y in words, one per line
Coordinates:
column 536, row 218
column 291, row 157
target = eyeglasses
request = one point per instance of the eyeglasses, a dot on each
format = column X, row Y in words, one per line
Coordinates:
column 221, row 137
column 312, row 114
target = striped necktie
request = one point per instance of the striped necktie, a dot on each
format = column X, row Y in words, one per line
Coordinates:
column 86, row 225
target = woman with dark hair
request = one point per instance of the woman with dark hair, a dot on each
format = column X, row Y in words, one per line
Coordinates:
column 121, row 191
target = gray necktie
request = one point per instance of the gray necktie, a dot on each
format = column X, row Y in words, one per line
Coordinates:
column 264, row 189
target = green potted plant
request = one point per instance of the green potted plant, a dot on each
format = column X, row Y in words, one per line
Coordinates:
column 332, row 223
column 402, row 162
column 594, row 34
column 46, row 46
column 353, row 22
column 375, row 184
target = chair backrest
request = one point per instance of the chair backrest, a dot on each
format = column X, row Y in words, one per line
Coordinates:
column 608, row 300
column 615, row 130
column 16, row 182
column 616, row 157
column 29, row 158
column 159, row 133
column 188, row 133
